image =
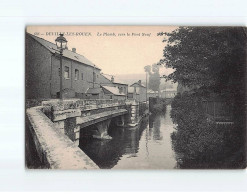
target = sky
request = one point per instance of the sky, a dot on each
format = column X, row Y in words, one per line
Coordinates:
column 116, row 50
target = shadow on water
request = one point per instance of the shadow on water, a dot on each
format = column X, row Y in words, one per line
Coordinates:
column 107, row 153
column 182, row 137
column 145, row 147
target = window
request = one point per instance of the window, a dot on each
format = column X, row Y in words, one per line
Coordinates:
column 81, row 76
column 120, row 89
column 94, row 77
column 66, row 72
column 130, row 95
column 76, row 74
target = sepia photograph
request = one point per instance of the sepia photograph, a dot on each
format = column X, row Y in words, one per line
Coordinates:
column 135, row 97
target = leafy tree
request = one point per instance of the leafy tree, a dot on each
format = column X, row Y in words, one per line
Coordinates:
column 154, row 77
column 147, row 68
column 200, row 144
column 212, row 58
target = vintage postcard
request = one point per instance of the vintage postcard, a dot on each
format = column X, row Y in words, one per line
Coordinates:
column 135, row 97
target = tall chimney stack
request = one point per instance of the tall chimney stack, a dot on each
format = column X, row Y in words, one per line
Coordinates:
column 112, row 79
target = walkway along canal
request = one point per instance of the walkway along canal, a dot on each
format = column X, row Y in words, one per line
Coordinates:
column 147, row 146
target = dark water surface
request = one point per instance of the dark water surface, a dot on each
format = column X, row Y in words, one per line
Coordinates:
column 145, row 147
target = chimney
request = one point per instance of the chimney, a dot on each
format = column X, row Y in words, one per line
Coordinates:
column 74, row 50
column 112, row 79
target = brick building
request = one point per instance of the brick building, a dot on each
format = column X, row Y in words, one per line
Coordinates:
column 81, row 78
column 43, row 67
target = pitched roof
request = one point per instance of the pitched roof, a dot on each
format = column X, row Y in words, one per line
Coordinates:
column 139, row 84
column 116, row 80
column 113, row 90
column 66, row 53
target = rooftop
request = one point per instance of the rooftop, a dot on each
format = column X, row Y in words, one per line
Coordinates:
column 116, row 80
column 66, row 53
column 113, row 90
column 139, row 84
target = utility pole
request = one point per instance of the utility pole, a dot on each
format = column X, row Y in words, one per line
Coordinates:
column 146, row 87
column 93, row 75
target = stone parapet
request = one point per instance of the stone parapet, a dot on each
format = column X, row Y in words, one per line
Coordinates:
column 54, row 148
column 82, row 104
column 64, row 112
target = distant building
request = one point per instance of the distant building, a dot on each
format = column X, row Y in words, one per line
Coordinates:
column 133, row 93
column 168, row 93
column 152, row 93
column 107, row 80
column 43, row 71
column 105, row 92
column 140, row 89
column 111, row 92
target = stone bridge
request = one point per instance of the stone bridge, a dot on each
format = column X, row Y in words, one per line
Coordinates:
column 69, row 117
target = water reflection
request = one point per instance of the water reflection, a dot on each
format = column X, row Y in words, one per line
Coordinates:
column 145, row 147
column 106, row 153
column 158, row 143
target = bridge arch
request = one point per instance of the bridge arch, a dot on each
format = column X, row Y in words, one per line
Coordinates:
column 98, row 130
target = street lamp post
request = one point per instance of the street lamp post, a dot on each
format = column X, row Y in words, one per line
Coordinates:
column 146, row 87
column 61, row 43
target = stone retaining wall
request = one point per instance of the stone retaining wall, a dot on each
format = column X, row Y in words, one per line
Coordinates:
column 55, row 127
column 54, row 148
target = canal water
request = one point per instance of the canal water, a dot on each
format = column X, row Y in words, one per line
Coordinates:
column 147, row 146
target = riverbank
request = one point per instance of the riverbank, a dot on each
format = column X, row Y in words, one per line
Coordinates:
column 147, row 146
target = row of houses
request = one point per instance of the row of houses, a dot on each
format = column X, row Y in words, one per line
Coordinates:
column 81, row 77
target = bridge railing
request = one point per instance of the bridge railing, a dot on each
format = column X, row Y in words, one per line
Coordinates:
column 82, row 104
column 54, row 148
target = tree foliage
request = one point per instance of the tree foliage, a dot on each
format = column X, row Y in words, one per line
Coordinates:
column 154, row 77
column 211, row 58
column 200, row 144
